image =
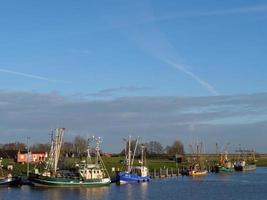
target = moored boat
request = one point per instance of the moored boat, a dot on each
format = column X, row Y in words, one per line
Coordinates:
column 87, row 174
column 48, row 181
column 12, row 181
column 9, row 180
column 246, row 161
column 225, row 165
column 244, row 166
column 196, row 170
column 133, row 174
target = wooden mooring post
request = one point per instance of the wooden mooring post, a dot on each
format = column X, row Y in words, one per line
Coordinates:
column 165, row 173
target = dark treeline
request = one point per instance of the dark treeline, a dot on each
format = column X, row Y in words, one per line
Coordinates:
column 156, row 149
column 78, row 147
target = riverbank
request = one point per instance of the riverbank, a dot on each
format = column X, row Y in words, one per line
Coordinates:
column 116, row 163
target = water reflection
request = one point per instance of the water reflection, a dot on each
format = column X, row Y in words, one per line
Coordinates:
column 73, row 193
column 95, row 193
column 144, row 190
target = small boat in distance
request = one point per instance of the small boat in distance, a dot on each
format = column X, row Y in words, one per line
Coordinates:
column 225, row 165
column 133, row 173
column 8, row 180
column 197, row 167
column 197, row 170
column 246, row 161
column 88, row 173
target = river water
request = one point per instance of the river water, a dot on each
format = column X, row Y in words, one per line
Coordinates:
column 238, row 185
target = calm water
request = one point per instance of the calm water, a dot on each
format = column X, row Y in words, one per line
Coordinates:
column 243, row 186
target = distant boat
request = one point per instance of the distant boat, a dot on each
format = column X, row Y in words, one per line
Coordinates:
column 225, row 165
column 196, row 170
column 8, row 180
column 246, row 161
column 88, row 173
column 244, row 166
column 133, row 174
column 197, row 166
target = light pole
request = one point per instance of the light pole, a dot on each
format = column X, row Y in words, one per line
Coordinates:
column 28, row 155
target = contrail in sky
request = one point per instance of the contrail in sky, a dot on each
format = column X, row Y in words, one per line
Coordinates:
column 27, row 75
column 202, row 82
column 152, row 40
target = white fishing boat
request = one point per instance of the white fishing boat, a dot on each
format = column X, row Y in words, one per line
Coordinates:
column 88, row 173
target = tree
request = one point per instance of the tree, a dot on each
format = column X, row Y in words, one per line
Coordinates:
column 176, row 148
column 68, row 147
column 14, row 146
column 154, row 147
column 40, row 147
column 133, row 143
column 80, row 145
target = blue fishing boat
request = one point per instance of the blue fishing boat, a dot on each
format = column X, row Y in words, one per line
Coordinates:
column 133, row 174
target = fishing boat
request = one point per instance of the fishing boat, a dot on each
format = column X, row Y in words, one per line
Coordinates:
column 197, row 166
column 133, row 173
column 88, row 173
column 224, row 165
column 8, row 180
column 196, row 170
column 12, row 181
column 243, row 166
column 246, row 161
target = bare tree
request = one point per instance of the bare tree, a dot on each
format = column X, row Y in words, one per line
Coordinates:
column 68, row 148
column 14, row 146
column 154, row 147
column 80, row 145
column 40, row 147
column 176, row 148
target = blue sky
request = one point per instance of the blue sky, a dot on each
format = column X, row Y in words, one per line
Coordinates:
column 85, row 51
column 89, row 46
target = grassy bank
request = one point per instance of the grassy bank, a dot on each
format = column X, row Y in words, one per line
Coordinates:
column 117, row 164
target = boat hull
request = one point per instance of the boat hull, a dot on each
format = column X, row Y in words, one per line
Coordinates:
column 45, row 181
column 245, row 168
column 10, row 182
column 198, row 173
column 125, row 177
column 222, row 169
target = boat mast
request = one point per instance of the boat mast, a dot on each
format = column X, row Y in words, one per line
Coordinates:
column 136, row 143
column 58, row 143
column 28, row 157
column 1, row 167
column 55, row 150
column 129, row 155
column 142, row 155
column 97, row 149
column 89, row 159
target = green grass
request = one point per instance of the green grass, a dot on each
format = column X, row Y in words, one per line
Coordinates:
column 111, row 162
